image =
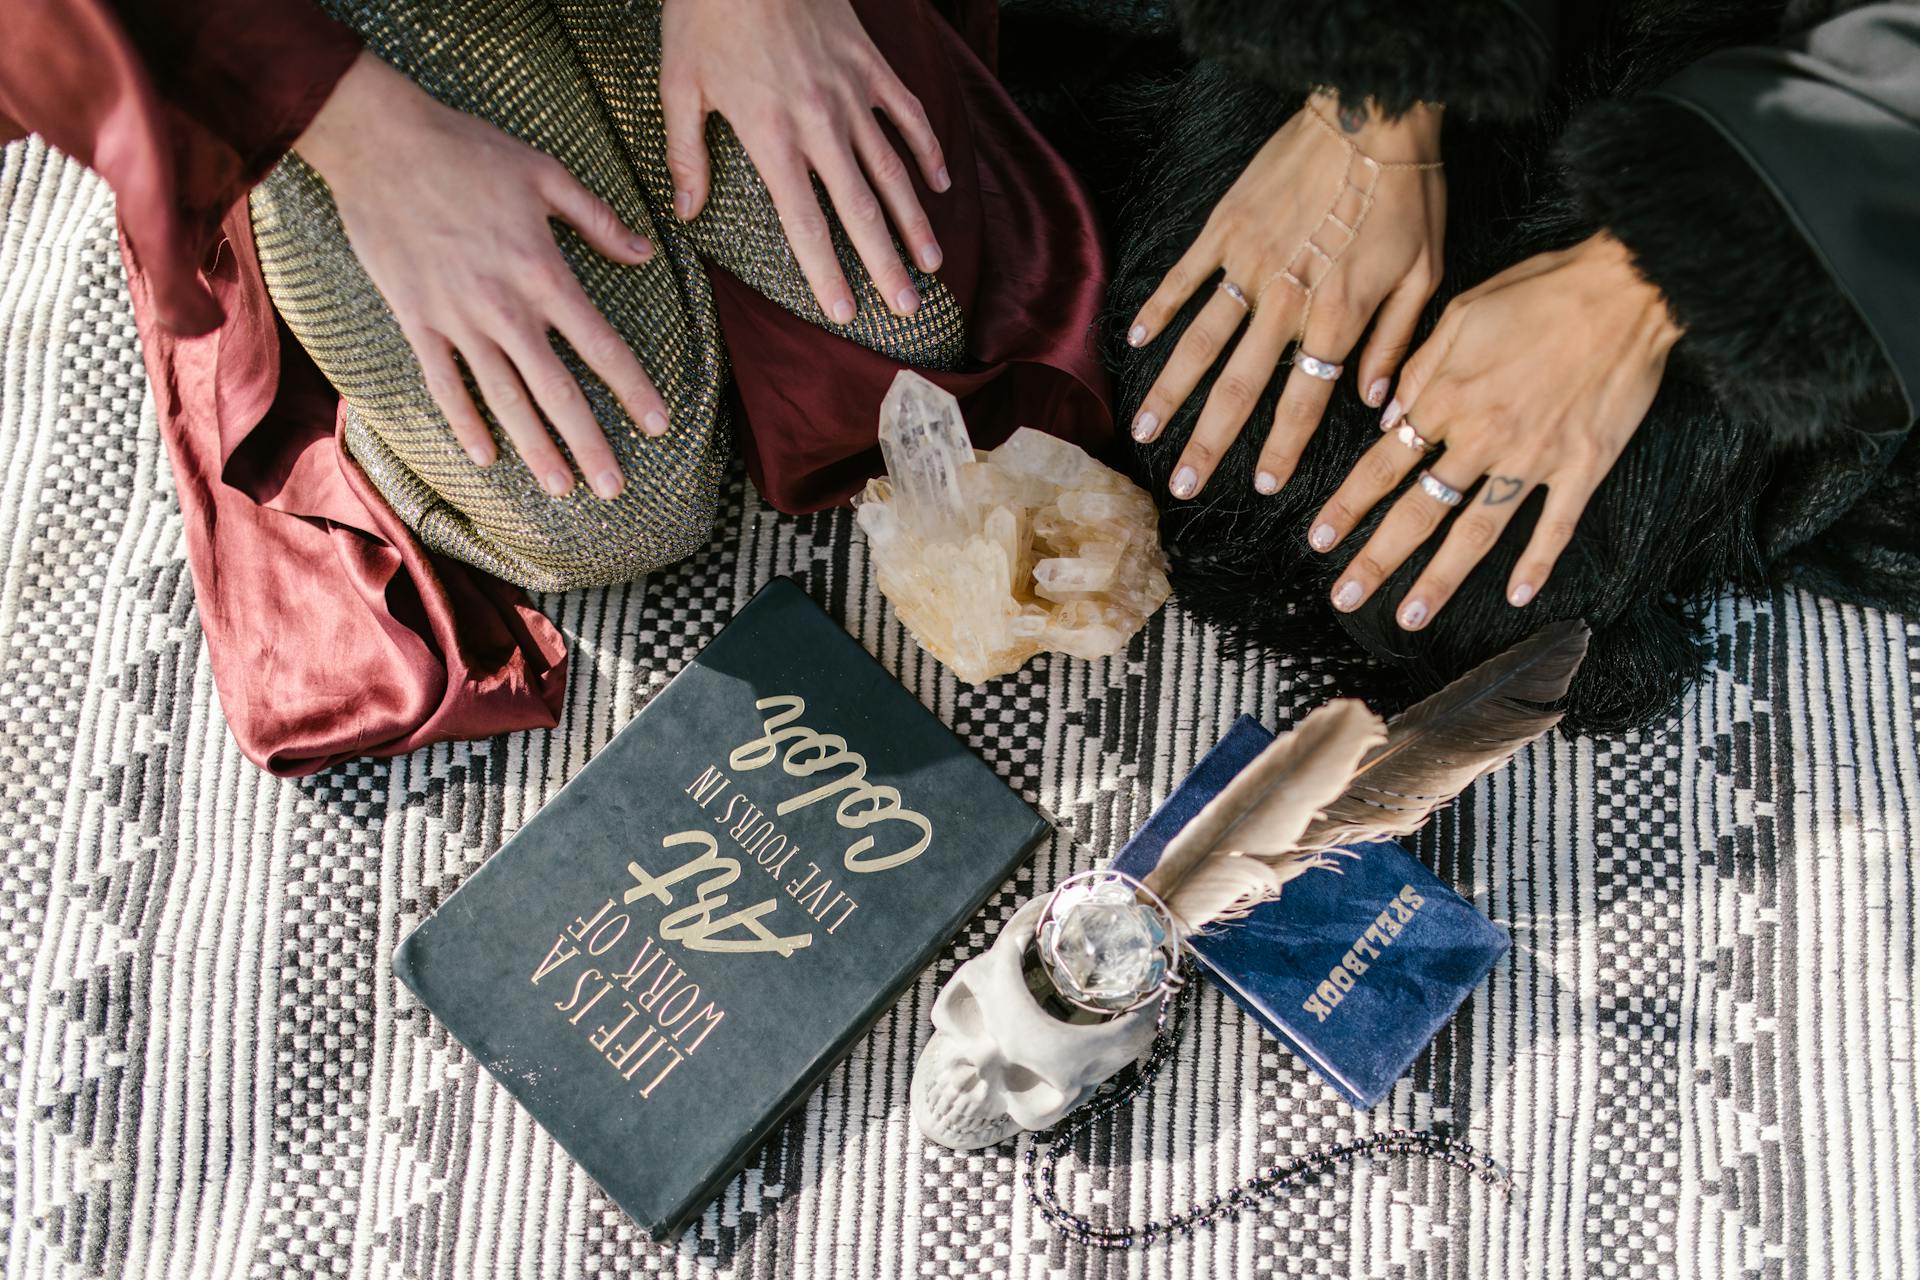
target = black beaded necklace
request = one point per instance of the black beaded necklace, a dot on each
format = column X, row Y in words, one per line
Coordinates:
column 1040, row 1163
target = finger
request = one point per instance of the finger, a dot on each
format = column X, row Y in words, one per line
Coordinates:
column 600, row 345
column 558, row 393
column 1232, row 398
column 1473, row 533
column 1206, row 337
column 1303, row 401
column 865, row 221
column 574, row 204
column 1377, row 473
column 1420, row 371
column 895, row 185
column 1201, row 260
column 449, row 391
column 910, row 118
column 1567, row 498
column 507, row 398
column 805, row 225
column 1409, row 524
column 685, row 116
column 1393, row 330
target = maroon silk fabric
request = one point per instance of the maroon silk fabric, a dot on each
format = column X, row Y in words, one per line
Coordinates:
column 331, row 631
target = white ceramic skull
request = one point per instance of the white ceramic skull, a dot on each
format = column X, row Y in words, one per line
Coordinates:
column 999, row 1063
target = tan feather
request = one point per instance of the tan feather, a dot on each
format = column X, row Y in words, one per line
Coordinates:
column 1243, row 846
column 1440, row 746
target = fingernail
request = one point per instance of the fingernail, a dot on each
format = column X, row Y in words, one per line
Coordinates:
column 842, row 311
column 683, row 205
column 609, row 484
column 481, row 453
column 1521, row 593
column 558, row 482
column 1413, row 613
column 941, row 181
column 1322, row 536
column 1185, row 481
column 930, row 257
column 1377, row 392
column 907, row 301
column 1391, row 418
column 656, row 424
column 1266, row 482
column 1347, row 597
column 1145, row 425
column 642, row 247
column 1136, row 335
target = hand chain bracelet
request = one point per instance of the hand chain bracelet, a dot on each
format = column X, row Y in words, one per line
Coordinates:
column 1038, row 1169
column 1311, row 259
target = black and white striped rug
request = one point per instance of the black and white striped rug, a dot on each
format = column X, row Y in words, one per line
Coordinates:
column 1699, row 1060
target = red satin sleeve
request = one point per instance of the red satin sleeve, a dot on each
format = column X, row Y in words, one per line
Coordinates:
column 180, row 107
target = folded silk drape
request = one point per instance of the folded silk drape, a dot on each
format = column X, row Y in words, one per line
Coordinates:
column 332, row 633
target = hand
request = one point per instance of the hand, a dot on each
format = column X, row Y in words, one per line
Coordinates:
column 482, row 277
column 1275, row 237
column 799, row 82
column 1540, row 376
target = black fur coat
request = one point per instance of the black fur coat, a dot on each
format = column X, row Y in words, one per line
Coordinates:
column 1776, row 449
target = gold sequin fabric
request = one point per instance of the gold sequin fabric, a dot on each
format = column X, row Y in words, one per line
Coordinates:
column 579, row 80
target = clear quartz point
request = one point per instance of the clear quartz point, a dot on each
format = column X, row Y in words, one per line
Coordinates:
column 991, row 558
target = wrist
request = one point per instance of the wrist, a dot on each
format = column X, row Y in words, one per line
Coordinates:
column 367, row 99
column 1410, row 137
column 1623, row 276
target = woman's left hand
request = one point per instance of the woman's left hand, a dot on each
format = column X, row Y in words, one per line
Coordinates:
column 1540, row 376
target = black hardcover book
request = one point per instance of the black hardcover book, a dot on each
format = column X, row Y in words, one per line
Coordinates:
column 667, row 958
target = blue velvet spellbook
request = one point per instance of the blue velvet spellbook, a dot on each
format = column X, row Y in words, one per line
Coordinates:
column 1355, row 970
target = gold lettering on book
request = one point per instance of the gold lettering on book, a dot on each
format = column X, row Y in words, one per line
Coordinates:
column 694, row 925
column 1353, row 966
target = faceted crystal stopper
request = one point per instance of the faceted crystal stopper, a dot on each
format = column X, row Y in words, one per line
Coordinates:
column 1102, row 946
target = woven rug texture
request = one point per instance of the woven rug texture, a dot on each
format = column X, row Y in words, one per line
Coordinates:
column 1698, row 1061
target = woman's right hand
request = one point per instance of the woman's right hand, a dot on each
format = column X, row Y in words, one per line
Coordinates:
column 476, row 270
column 1276, row 233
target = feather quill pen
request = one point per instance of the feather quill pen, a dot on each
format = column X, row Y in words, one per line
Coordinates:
column 1244, row 845
column 1442, row 745
column 1340, row 777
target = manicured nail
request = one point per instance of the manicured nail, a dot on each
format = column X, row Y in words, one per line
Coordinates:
column 656, row 424
column 907, row 301
column 1521, row 593
column 609, row 484
column 683, row 205
column 1185, row 481
column 1145, row 425
column 558, row 482
column 1136, row 335
column 481, row 452
column 930, row 258
column 1322, row 536
column 1413, row 613
column 1377, row 392
column 843, row 311
column 1391, row 418
column 642, row 248
column 1266, row 482
column 1347, row 598
column 941, row 181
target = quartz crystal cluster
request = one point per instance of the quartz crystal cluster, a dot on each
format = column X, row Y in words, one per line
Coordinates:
column 991, row 558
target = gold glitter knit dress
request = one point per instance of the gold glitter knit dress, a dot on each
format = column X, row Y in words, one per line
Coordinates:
column 579, row 80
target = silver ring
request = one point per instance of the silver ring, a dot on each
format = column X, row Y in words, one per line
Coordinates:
column 1315, row 367
column 1234, row 291
column 1411, row 438
column 1440, row 491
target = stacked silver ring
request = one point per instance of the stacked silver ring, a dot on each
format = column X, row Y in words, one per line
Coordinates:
column 1440, row 491
column 1235, row 292
column 1315, row 367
